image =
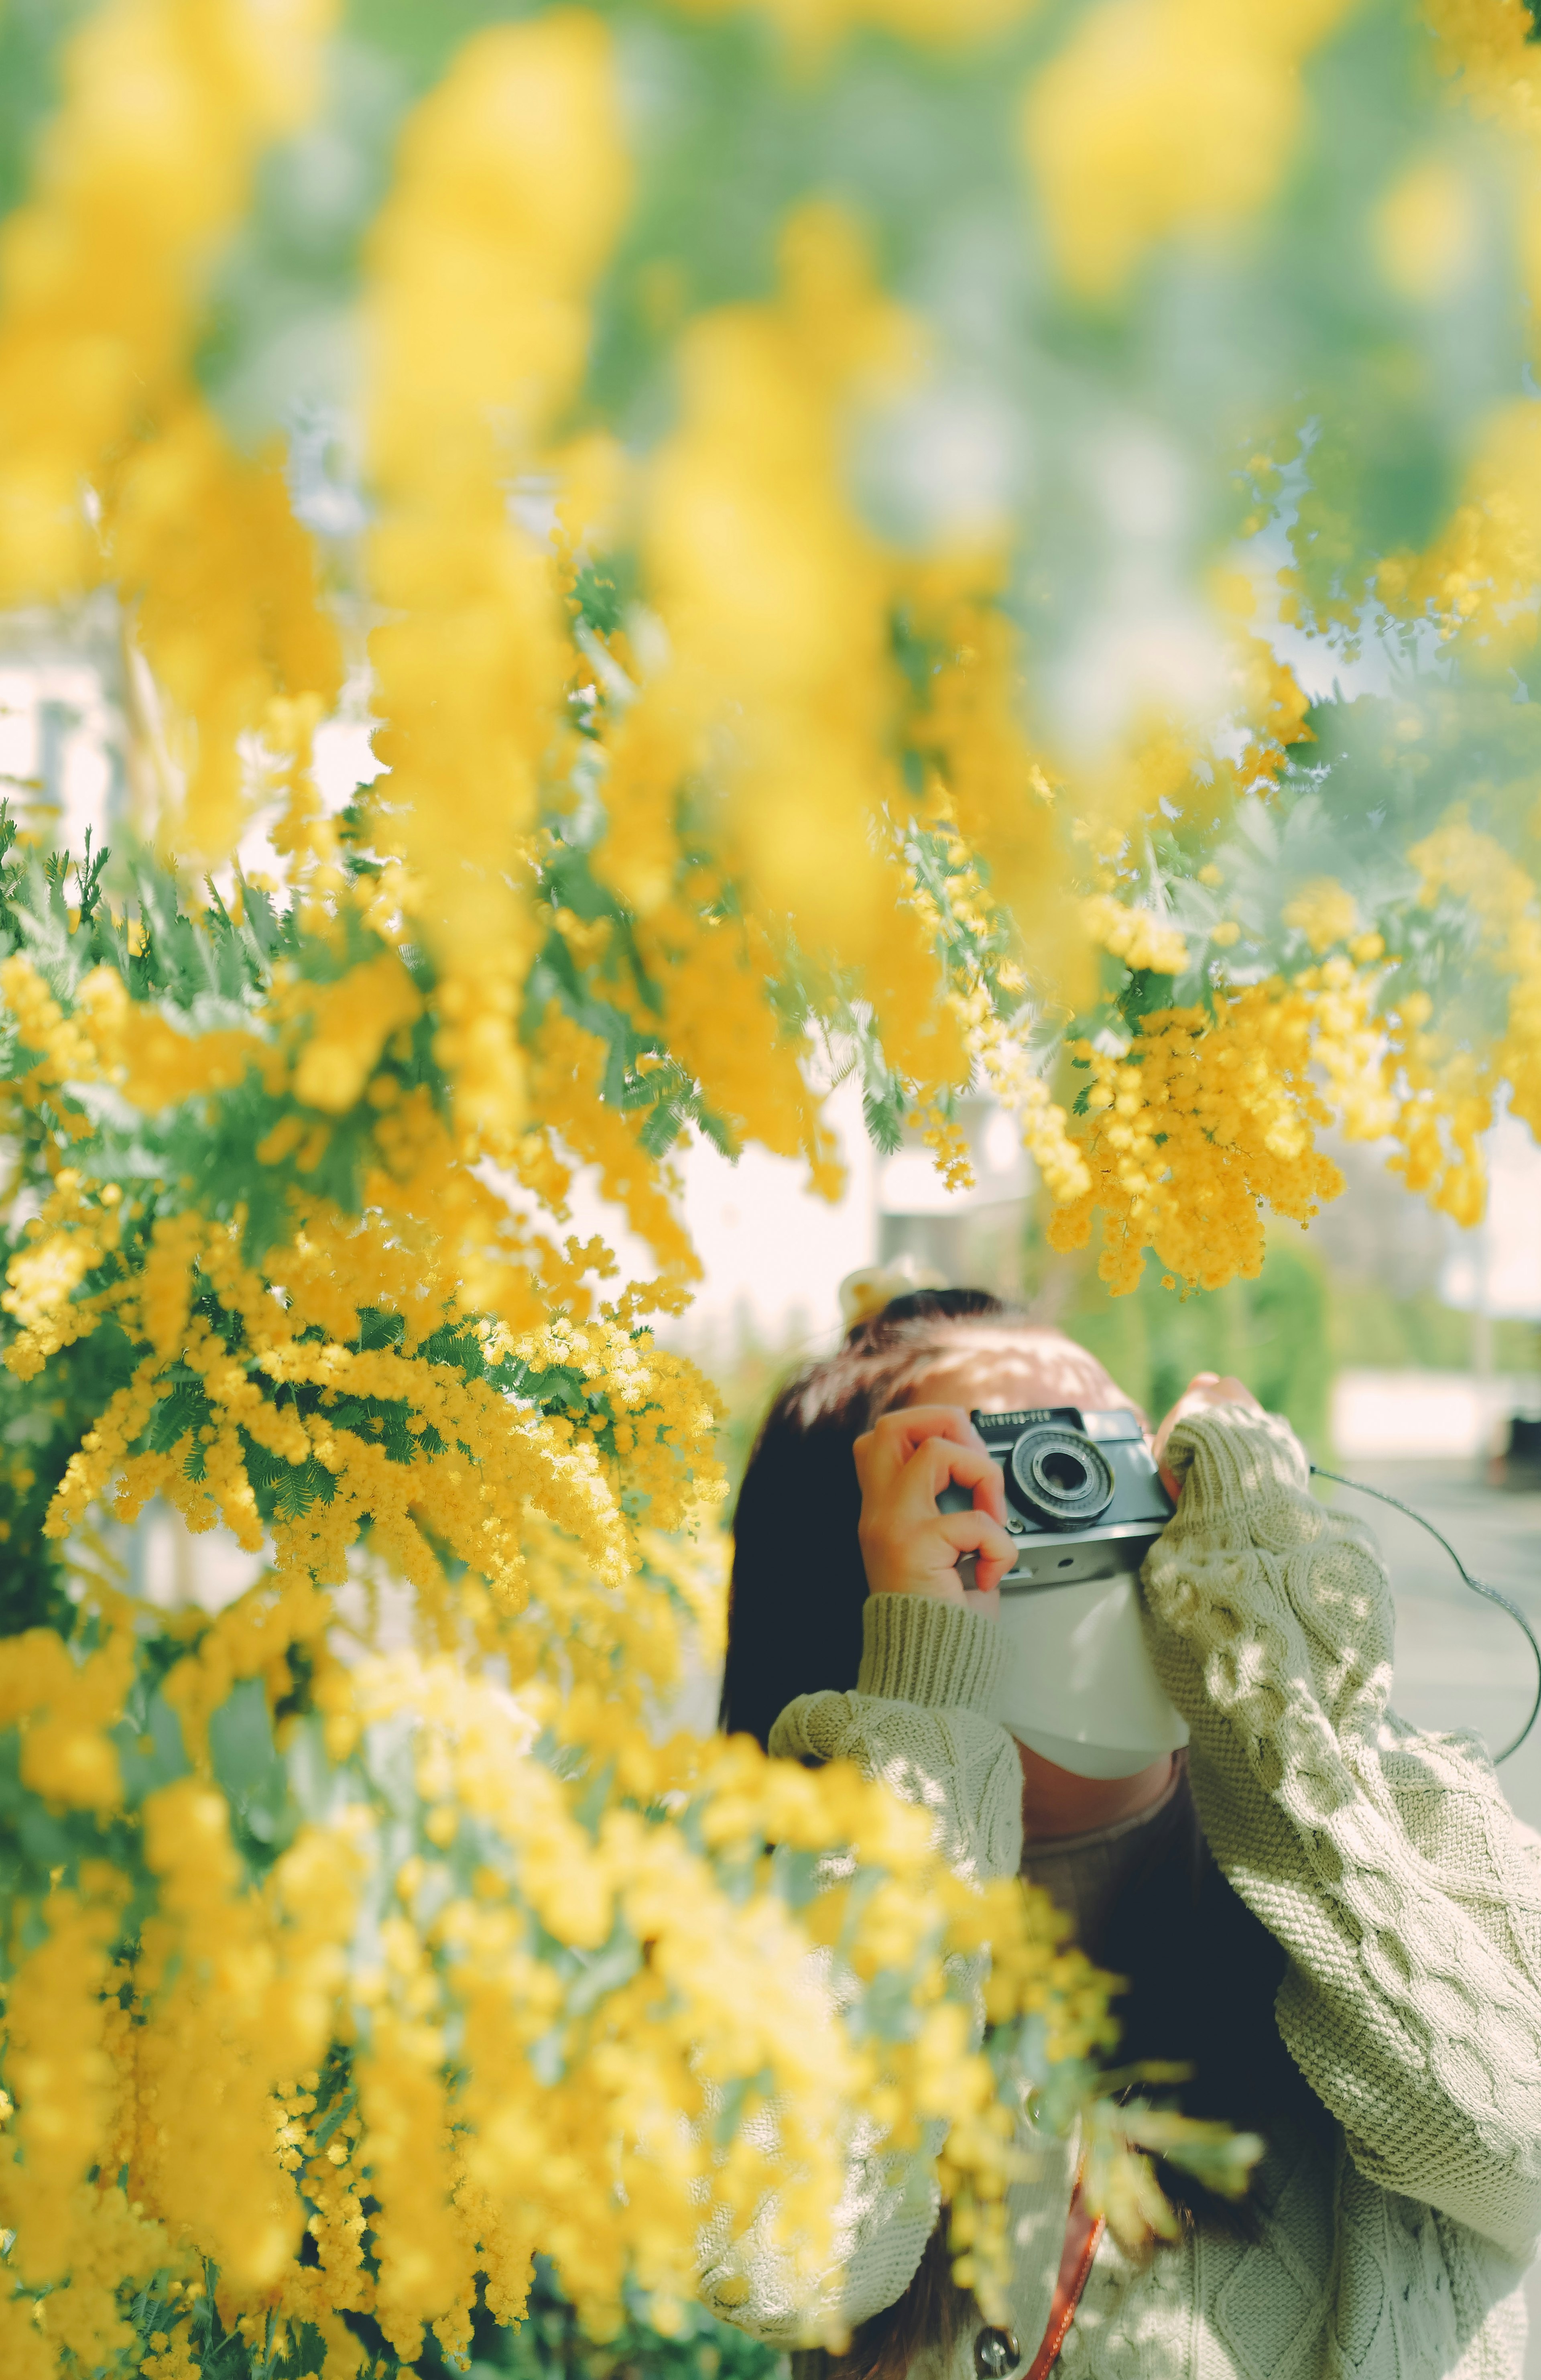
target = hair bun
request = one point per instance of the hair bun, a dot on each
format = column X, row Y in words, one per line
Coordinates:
column 864, row 1295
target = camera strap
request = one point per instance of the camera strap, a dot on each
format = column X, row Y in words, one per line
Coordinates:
column 1478, row 1586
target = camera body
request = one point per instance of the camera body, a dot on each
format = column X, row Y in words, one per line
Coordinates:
column 1084, row 1499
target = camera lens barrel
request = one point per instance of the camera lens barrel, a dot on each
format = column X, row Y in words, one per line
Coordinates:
column 1061, row 1476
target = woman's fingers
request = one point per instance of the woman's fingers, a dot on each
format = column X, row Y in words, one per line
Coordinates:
column 1204, row 1391
column 977, row 1534
column 936, row 1464
column 907, row 1475
column 908, row 1547
column 882, row 1451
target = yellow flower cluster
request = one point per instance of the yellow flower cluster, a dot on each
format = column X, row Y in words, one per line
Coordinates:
column 568, row 1069
column 199, row 2082
column 990, row 1003
column 990, row 779
column 1200, row 1122
column 258, row 1637
column 110, row 1038
column 1324, row 912
column 779, row 666
column 1206, row 1120
column 1470, row 866
column 1139, row 937
column 511, row 187
column 1477, row 578
column 167, row 107
column 460, row 1471
column 1165, row 116
column 503, row 1973
column 63, row 2057
column 167, row 104
column 350, row 1022
column 1486, row 45
column 64, row 1707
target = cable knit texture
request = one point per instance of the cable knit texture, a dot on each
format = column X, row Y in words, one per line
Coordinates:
column 1384, row 1859
column 920, row 1719
column 916, row 1649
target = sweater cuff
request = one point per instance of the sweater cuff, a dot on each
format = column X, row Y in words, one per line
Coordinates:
column 916, row 1648
column 1231, row 1458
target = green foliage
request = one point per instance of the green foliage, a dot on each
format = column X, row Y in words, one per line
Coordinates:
column 1288, row 1334
column 549, row 2346
column 1368, row 1325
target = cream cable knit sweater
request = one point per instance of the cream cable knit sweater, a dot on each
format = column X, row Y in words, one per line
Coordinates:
column 1386, row 1862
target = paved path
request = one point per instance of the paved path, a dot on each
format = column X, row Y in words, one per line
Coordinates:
column 1460, row 1662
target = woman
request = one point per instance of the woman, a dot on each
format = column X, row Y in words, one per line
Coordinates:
column 1333, row 1917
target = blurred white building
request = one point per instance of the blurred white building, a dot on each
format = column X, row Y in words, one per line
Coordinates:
column 774, row 1255
column 1496, row 1268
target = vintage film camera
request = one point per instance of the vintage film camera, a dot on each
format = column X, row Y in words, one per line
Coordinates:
column 1085, row 1504
column 1082, row 1496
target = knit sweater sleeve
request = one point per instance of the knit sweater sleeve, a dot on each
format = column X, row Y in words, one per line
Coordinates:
column 1384, row 1859
column 918, row 1720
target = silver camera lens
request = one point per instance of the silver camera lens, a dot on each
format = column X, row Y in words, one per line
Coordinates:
column 1061, row 1476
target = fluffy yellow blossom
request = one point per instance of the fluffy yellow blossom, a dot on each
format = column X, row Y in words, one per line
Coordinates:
column 254, row 1637
column 1459, row 861
column 1138, row 937
column 57, row 2069
column 778, row 641
column 1165, row 116
column 1323, row 912
column 1201, row 1124
column 65, row 1707
column 511, row 183
column 167, row 106
column 1206, row 1122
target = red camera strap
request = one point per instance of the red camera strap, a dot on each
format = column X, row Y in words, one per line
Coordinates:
column 1083, row 2232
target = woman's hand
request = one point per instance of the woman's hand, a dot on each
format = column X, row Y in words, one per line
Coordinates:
column 903, row 1463
column 1205, row 1389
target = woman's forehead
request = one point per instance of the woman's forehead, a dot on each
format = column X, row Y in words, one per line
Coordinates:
column 998, row 1367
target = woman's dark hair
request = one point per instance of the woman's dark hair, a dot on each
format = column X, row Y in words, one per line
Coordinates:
column 1202, row 1971
column 798, row 1585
